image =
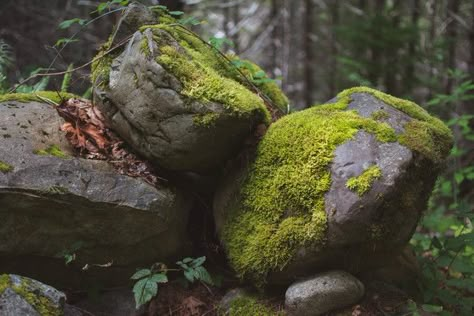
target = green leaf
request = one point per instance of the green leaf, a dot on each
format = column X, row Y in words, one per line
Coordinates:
column 144, row 290
column 159, row 278
column 141, row 274
column 187, row 260
column 432, row 308
column 102, row 6
column 176, row 13
column 202, row 275
column 67, row 23
column 435, row 241
column 198, row 262
column 189, row 275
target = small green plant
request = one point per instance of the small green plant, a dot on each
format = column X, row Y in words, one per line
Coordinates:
column 147, row 280
column 69, row 254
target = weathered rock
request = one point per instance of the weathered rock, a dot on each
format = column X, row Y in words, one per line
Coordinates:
column 341, row 185
column 174, row 99
column 53, row 204
column 322, row 293
column 27, row 297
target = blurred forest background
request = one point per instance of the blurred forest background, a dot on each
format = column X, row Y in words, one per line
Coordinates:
column 419, row 50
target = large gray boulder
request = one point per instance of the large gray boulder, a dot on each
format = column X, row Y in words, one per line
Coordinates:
column 53, row 204
column 27, row 297
column 322, row 293
column 341, row 185
column 174, row 99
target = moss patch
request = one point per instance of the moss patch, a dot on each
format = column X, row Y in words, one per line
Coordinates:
column 379, row 115
column 361, row 184
column 425, row 134
column 4, row 282
column 245, row 306
column 4, row 167
column 282, row 199
column 40, row 303
column 38, row 96
column 52, row 150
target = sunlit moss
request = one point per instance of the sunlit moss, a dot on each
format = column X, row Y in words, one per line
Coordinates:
column 40, row 303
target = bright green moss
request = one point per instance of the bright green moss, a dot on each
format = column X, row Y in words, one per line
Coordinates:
column 425, row 134
column 38, row 96
column 379, row 115
column 40, row 303
column 4, row 167
column 245, row 306
column 282, row 198
column 260, row 79
column 101, row 64
column 202, row 82
column 52, row 150
column 4, row 282
column 362, row 183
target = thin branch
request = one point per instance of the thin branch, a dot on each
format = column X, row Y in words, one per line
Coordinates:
column 47, row 74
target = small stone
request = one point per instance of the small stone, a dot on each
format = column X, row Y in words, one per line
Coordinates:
column 322, row 293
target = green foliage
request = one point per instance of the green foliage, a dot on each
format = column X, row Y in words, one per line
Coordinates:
column 147, row 280
column 67, row 78
column 68, row 23
column 194, row 271
column 445, row 238
column 69, row 254
column 245, row 306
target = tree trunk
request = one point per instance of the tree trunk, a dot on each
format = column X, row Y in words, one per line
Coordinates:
column 308, row 53
column 334, row 50
column 410, row 68
column 451, row 35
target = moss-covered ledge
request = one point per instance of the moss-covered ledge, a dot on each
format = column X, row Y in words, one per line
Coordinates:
column 38, row 96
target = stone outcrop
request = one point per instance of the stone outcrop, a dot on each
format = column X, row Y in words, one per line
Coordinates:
column 53, row 204
column 341, row 185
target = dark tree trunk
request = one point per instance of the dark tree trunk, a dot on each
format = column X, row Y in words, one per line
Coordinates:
column 308, row 53
column 451, row 35
column 334, row 49
column 410, row 68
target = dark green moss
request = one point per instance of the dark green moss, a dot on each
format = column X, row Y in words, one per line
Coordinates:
column 379, row 115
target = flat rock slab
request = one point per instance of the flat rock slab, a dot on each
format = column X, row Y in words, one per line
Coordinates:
column 27, row 297
column 54, row 206
column 322, row 293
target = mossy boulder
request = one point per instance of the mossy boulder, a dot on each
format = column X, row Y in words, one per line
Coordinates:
column 175, row 99
column 331, row 187
column 24, row 296
column 54, row 205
